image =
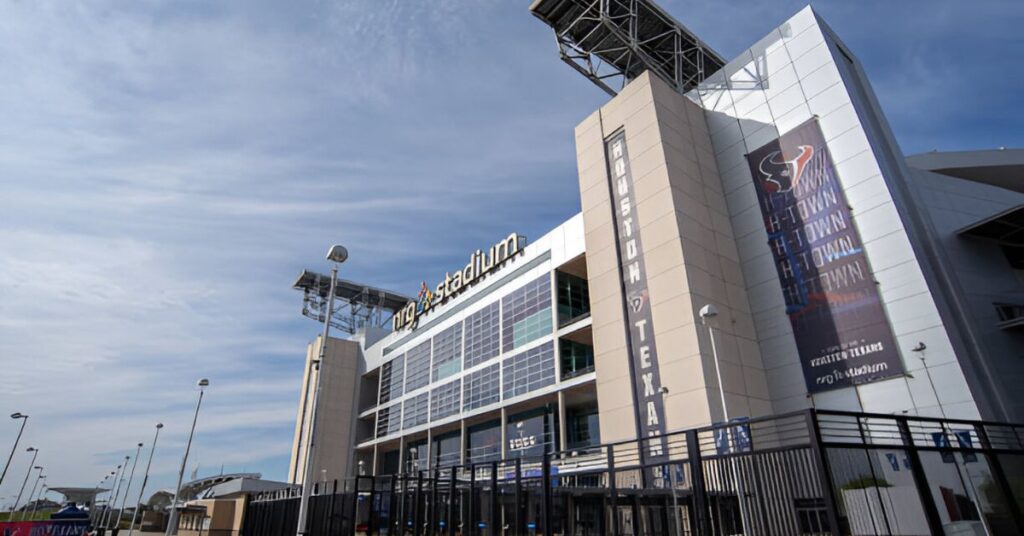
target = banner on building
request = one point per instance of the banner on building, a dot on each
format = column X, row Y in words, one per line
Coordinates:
column 841, row 331
column 643, row 352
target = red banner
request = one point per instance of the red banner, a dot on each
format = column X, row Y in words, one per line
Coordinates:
column 44, row 528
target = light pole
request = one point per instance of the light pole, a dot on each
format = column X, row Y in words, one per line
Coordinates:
column 128, row 487
column 35, row 505
column 112, row 499
column 672, row 475
column 172, row 523
column 145, row 479
column 35, row 452
column 337, row 255
column 93, row 513
column 33, row 492
column 708, row 312
column 24, row 421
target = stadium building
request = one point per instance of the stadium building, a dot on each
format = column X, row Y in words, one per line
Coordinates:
column 751, row 243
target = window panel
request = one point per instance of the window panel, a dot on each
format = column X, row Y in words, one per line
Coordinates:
column 445, row 400
column 482, row 339
column 481, row 388
column 391, row 375
column 414, row 411
column 526, row 313
column 389, row 420
column 447, row 352
column 417, row 367
column 529, row 371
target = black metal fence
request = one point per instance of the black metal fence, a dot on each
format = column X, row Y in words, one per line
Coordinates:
column 804, row 473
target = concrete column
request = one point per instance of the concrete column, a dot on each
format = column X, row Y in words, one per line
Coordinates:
column 504, row 435
column 562, row 430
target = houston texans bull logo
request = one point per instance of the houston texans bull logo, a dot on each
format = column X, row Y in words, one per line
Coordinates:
column 781, row 174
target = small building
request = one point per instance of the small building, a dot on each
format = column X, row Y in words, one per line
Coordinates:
column 219, row 510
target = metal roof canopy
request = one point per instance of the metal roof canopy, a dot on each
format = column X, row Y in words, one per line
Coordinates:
column 608, row 39
column 1005, row 228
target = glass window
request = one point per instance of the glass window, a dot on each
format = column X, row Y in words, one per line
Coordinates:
column 573, row 297
column 417, row 367
column 481, row 388
column 445, row 400
column 482, row 335
column 576, row 358
column 414, row 410
column 526, row 313
column 416, row 456
column 447, row 449
column 529, row 371
column 391, row 375
column 447, row 352
column 583, row 426
column 388, row 420
column 529, row 434
column 484, row 443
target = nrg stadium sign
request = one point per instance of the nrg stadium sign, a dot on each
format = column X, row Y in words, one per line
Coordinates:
column 480, row 264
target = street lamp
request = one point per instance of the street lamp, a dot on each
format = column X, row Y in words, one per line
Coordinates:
column 337, row 255
column 128, row 488
column 145, row 479
column 112, row 498
column 35, row 452
column 708, row 312
column 24, row 420
column 172, row 523
column 33, row 492
column 663, row 391
column 41, row 497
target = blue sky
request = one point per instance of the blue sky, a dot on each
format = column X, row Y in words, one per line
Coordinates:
column 168, row 168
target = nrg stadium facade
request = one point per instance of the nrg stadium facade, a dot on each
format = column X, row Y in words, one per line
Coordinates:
column 754, row 255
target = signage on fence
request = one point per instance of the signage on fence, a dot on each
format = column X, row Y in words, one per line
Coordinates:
column 735, row 438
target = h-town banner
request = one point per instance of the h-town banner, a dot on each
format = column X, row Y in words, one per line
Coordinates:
column 841, row 330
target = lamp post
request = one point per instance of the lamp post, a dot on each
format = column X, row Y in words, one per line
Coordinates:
column 24, row 421
column 337, row 255
column 35, row 452
column 93, row 514
column 672, row 476
column 708, row 312
column 112, row 498
column 145, row 479
column 128, row 487
column 42, row 495
column 33, row 492
column 172, row 523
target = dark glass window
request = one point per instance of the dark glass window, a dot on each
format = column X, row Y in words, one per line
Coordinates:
column 484, row 443
column 526, row 313
column 389, row 420
column 530, row 434
column 447, row 449
column 573, row 297
column 483, row 333
column 416, row 456
column 582, row 426
column 391, row 375
column 529, row 371
column 447, row 352
column 576, row 358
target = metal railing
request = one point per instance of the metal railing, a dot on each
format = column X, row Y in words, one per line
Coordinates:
column 802, row 473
